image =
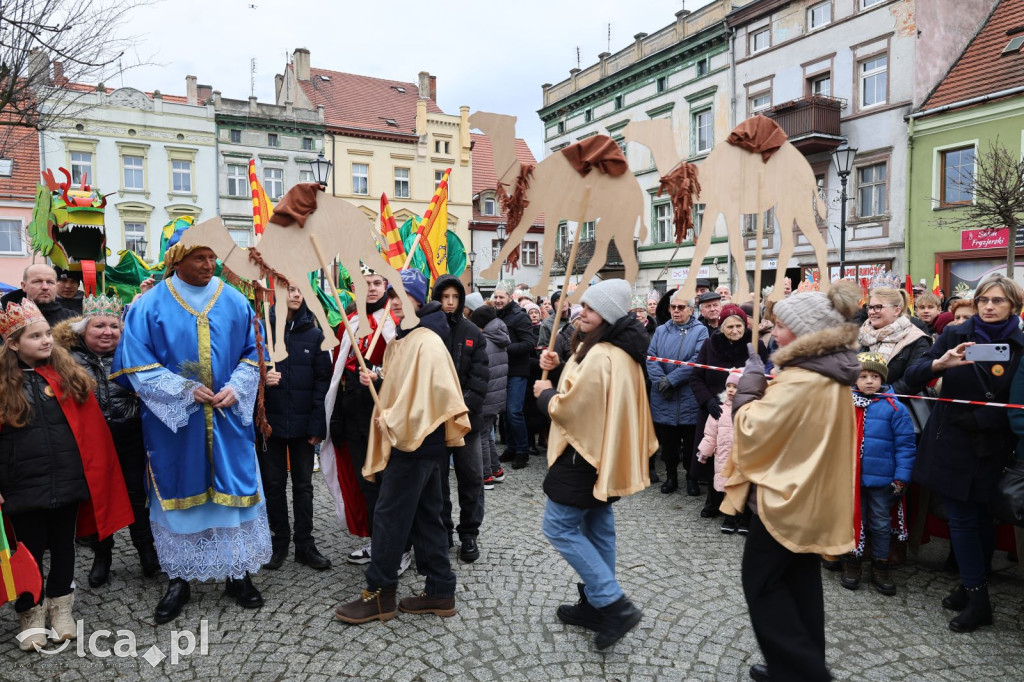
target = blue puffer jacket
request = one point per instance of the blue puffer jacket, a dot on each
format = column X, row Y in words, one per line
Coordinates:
column 889, row 443
column 675, row 342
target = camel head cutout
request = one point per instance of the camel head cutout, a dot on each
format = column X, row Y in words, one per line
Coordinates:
column 729, row 178
column 555, row 189
column 287, row 253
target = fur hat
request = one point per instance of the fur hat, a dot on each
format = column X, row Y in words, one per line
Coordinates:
column 730, row 310
column 609, row 299
column 814, row 311
column 874, row 362
column 474, row 300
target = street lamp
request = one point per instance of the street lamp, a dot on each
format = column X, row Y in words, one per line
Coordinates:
column 321, row 168
column 843, row 158
column 140, row 247
column 500, row 232
column 472, row 272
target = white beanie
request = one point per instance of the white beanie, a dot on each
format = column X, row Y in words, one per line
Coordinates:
column 807, row 312
column 474, row 301
column 610, row 299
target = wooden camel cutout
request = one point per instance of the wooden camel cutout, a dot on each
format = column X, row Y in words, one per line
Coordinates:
column 287, row 253
column 616, row 203
column 729, row 179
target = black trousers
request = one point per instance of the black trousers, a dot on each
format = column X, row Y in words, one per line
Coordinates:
column 54, row 530
column 274, row 472
column 787, row 609
column 469, row 475
column 676, row 442
column 409, row 509
column 131, row 453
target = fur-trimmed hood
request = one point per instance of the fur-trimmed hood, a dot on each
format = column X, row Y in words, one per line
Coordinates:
column 65, row 336
column 831, row 352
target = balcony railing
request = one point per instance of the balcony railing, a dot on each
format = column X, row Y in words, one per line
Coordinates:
column 811, row 123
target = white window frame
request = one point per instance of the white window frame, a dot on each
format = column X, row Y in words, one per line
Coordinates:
column 877, row 189
column 181, row 169
column 820, row 13
column 139, row 171
column 490, row 206
column 765, row 33
column 240, row 236
column 864, row 75
column 403, row 185
column 238, row 184
column 361, row 179
column 6, row 168
column 663, row 227
column 754, row 107
column 944, row 201
column 82, row 164
column 273, row 182
column 134, row 231
column 306, row 175
column 866, row 4
column 529, row 252
column 589, row 231
column 820, row 78
column 438, row 177
column 17, row 229
column 698, row 131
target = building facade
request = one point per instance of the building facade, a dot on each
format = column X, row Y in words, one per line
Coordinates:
column 19, row 176
column 281, row 139
column 680, row 73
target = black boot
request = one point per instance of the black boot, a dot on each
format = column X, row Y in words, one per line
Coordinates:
column 881, row 577
column 177, row 595
column 712, row 503
column 731, row 523
column 616, row 620
column 100, row 572
column 581, row 613
column 759, row 672
column 310, row 556
column 653, row 470
column 671, row 483
column 277, row 557
column 148, row 559
column 692, row 487
column 522, row 459
column 851, row 572
column 242, row 589
column 956, row 600
column 977, row 613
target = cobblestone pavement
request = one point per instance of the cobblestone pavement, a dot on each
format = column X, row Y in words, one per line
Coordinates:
column 678, row 567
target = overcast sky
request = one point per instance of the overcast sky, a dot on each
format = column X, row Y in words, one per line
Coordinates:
column 490, row 56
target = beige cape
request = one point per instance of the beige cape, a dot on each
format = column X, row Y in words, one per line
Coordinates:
column 798, row 445
column 601, row 410
column 420, row 392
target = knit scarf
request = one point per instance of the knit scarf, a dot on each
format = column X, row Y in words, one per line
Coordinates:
column 885, row 340
column 989, row 332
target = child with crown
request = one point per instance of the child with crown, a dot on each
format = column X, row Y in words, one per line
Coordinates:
column 56, row 459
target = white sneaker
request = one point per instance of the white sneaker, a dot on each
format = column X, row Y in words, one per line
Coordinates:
column 406, row 562
column 360, row 556
column 316, row 462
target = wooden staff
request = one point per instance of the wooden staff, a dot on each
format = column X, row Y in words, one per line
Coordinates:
column 568, row 274
column 266, row 321
column 344, row 317
column 757, row 262
column 387, row 306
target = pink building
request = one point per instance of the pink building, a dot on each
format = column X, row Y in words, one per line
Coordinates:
column 19, row 175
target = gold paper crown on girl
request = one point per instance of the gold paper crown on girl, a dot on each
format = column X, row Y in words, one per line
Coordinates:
column 16, row 317
column 102, row 305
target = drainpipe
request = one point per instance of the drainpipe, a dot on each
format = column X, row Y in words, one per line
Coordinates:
column 967, row 102
column 334, row 164
column 909, row 194
column 732, row 122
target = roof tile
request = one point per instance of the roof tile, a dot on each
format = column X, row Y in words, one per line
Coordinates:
column 21, row 146
column 485, row 178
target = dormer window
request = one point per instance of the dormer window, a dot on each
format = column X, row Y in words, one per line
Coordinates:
column 490, row 206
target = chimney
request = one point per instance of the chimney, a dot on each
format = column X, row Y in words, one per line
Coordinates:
column 424, row 85
column 300, row 60
column 204, row 93
column 58, row 74
column 191, row 96
column 278, row 84
column 38, row 66
column 433, row 88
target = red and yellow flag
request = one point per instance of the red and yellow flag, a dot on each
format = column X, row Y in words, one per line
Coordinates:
column 394, row 250
column 261, row 205
column 909, row 287
column 936, row 285
column 435, row 228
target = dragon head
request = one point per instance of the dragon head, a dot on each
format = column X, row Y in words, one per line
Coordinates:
column 67, row 223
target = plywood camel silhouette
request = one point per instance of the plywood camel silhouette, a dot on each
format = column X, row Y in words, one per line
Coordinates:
column 342, row 231
column 616, row 204
column 729, row 179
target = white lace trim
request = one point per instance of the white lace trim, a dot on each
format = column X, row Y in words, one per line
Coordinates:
column 215, row 553
column 169, row 397
column 245, row 381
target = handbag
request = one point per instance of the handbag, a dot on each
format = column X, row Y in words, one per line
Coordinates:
column 1008, row 503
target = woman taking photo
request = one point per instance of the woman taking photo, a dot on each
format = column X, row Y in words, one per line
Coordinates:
column 964, row 447
column 891, row 333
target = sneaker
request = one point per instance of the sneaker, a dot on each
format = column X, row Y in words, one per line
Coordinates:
column 499, row 475
column 406, row 562
column 489, row 483
column 730, row 524
column 360, row 556
column 316, row 462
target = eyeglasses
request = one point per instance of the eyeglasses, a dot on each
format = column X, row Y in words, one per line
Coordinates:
column 985, row 300
column 678, row 307
column 878, row 307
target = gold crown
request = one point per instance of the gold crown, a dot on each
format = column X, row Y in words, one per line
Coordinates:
column 16, row 317
column 102, row 305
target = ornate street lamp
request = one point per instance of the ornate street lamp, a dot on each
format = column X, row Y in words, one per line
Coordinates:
column 500, row 232
column 843, row 158
column 472, row 272
column 140, row 247
column 321, row 168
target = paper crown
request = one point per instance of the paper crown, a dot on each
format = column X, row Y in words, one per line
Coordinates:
column 16, row 317
column 885, row 279
column 102, row 306
column 638, row 303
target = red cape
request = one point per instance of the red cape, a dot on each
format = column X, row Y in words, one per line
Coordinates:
column 107, row 510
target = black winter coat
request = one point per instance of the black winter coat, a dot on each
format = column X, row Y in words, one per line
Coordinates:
column 119, row 405
column 964, row 447
column 523, row 337
column 295, row 407
column 718, row 351
column 40, row 464
column 54, row 311
column 468, row 348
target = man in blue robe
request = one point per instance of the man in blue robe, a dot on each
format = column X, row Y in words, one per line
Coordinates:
column 189, row 350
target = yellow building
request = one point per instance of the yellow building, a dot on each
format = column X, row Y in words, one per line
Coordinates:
column 385, row 136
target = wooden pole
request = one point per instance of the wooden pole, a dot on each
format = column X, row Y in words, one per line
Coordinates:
column 266, row 321
column 387, row 306
column 344, row 317
column 757, row 263
column 568, row 274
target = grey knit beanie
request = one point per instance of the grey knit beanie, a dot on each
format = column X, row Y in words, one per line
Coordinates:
column 474, row 300
column 609, row 299
column 807, row 312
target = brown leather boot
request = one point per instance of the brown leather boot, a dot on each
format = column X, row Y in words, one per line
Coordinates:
column 851, row 572
column 423, row 603
column 377, row 605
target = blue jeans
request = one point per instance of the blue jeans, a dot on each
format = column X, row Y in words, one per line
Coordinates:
column 586, row 539
column 876, row 502
column 972, row 533
column 516, row 435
